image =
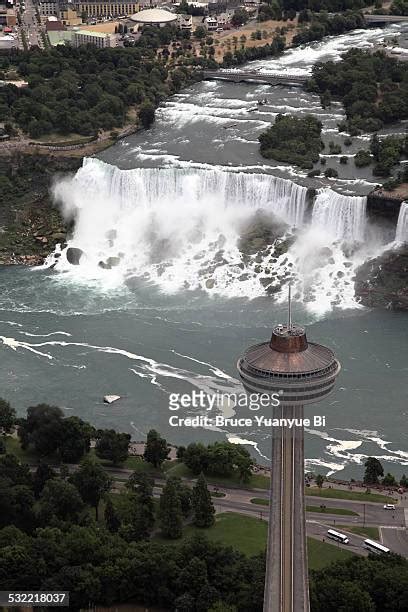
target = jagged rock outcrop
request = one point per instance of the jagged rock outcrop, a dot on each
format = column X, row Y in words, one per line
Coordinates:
column 260, row 233
column 383, row 282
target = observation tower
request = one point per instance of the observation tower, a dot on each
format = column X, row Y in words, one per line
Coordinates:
column 302, row 373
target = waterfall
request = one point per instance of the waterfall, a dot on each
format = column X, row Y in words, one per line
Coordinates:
column 342, row 217
column 190, row 228
column 401, row 235
column 146, row 187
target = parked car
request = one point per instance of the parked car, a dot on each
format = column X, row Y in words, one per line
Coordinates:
column 389, row 507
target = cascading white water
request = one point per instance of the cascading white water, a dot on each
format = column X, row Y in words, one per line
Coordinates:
column 147, row 187
column 180, row 228
column 401, row 234
column 342, row 217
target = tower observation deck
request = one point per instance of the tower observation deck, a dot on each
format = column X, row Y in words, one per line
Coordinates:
column 302, row 373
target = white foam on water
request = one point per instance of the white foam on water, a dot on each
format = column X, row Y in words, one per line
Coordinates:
column 179, row 227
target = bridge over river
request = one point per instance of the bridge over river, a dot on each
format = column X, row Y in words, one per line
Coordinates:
column 379, row 19
column 238, row 76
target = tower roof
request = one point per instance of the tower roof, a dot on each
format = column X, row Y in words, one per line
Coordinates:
column 290, row 355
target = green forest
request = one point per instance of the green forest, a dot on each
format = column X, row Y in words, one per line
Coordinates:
column 372, row 87
column 294, row 140
column 84, row 90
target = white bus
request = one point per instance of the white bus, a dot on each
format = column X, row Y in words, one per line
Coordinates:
column 375, row 547
column 339, row 537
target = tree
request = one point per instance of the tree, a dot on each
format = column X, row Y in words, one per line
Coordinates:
column 112, row 446
column 7, row 416
column 170, row 515
column 203, row 508
column 139, row 520
column 146, row 114
column 404, row 481
column 200, row 32
column 320, row 480
column 156, row 449
column 42, row 474
column 196, row 457
column 75, row 439
column 389, row 480
column 240, row 17
column 92, row 482
column 60, row 499
column 15, row 472
column 184, row 494
column 373, row 470
column 42, row 429
column 296, row 140
column 112, row 519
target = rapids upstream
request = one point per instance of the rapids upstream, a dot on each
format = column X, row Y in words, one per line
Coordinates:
column 171, row 285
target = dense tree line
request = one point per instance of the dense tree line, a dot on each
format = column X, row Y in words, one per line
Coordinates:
column 399, row 7
column 218, row 459
column 87, row 89
column 372, row 87
column 53, row 538
column 328, row 25
column 287, row 9
column 293, row 140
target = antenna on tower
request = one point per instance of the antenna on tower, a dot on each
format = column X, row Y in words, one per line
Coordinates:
column 290, row 308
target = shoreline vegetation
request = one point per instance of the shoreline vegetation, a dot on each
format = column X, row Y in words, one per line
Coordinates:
column 78, row 530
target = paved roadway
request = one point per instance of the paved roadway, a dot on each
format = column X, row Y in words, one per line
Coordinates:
column 393, row 524
column 30, row 25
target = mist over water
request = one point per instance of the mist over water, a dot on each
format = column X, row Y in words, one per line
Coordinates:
column 164, row 298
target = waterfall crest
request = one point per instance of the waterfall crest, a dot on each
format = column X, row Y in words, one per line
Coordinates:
column 401, row 234
column 342, row 217
column 145, row 187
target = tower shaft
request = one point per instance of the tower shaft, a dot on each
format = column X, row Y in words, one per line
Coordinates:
column 286, row 581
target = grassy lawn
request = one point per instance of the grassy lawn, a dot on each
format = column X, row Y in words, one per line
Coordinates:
column 248, row 535
column 176, row 468
column 345, row 494
column 13, row 447
column 264, row 502
column 344, row 511
column 367, row 532
column 321, row 554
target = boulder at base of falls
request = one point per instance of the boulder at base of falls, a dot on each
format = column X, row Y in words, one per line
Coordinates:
column 74, row 255
column 383, row 282
column 262, row 231
column 111, row 262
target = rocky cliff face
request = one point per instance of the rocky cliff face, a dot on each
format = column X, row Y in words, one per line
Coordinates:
column 29, row 224
column 383, row 282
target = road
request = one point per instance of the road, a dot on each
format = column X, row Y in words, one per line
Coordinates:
column 30, row 26
column 393, row 524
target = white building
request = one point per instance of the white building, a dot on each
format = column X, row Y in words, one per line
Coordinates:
column 185, row 22
column 99, row 39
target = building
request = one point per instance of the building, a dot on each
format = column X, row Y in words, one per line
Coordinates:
column 185, row 22
column 8, row 15
column 106, row 8
column 297, row 372
column 157, row 17
column 70, row 16
column 8, row 42
column 99, row 39
column 211, row 23
column 49, row 8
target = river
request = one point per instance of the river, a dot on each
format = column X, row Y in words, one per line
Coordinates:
column 175, row 302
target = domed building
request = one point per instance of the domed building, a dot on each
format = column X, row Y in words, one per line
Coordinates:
column 156, row 17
